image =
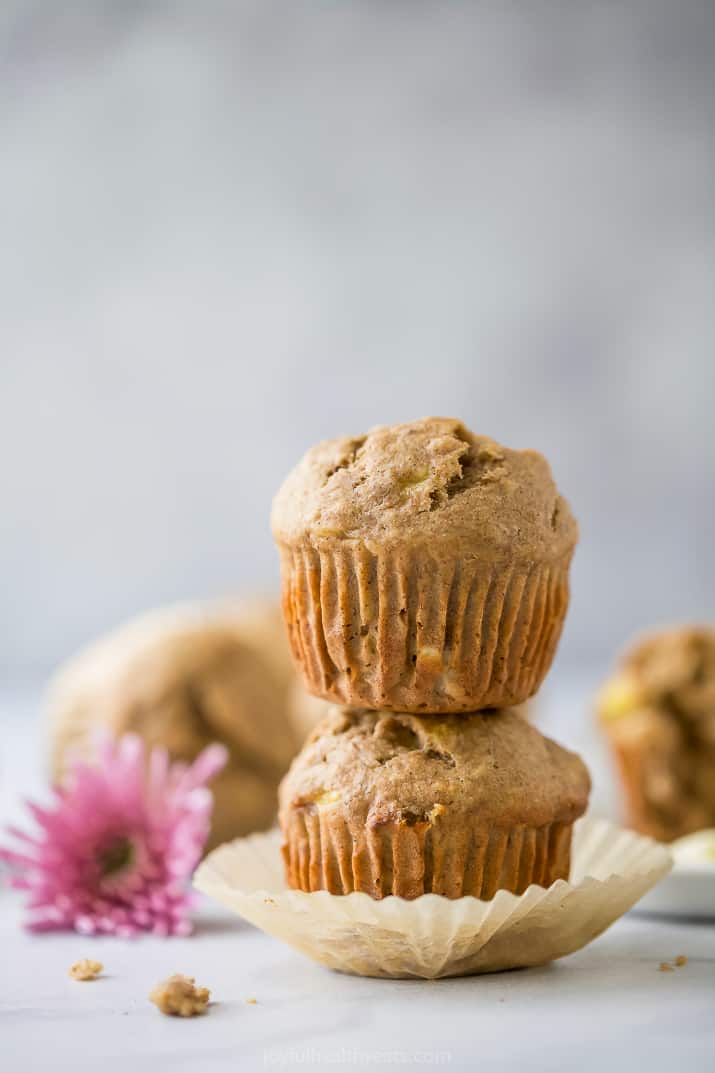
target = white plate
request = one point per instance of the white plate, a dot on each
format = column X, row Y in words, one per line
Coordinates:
column 686, row 892
column 689, row 890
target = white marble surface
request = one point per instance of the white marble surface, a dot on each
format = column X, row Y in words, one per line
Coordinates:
column 606, row 1007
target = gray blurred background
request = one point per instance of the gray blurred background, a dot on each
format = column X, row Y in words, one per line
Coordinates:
column 230, row 230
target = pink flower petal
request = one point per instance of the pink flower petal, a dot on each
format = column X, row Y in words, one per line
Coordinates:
column 70, row 869
column 207, row 764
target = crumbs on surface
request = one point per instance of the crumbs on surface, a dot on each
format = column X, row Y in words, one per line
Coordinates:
column 678, row 962
column 85, row 969
column 251, row 1001
column 178, row 996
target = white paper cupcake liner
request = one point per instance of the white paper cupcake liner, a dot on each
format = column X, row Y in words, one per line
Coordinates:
column 434, row 936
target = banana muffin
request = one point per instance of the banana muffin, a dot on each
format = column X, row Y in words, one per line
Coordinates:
column 658, row 713
column 424, row 568
column 184, row 677
column 406, row 804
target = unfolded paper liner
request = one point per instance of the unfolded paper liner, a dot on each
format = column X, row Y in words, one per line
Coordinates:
column 434, row 936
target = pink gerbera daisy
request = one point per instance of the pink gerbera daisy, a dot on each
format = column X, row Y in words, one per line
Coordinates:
column 117, row 845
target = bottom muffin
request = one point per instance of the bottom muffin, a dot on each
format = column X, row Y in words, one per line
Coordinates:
column 456, row 805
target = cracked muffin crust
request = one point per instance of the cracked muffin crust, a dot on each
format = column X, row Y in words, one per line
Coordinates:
column 184, row 677
column 390, row 803
column 658, row 712
column 424, row 568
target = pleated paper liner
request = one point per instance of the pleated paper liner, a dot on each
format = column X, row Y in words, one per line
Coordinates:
column 406, row 631
column 323, row 851
column 433, row 936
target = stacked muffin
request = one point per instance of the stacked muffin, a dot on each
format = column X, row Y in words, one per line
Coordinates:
column 425, row 584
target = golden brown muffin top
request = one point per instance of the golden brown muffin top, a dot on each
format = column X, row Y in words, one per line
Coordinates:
column 425, row 480
column 672, row 670
column 378, row 767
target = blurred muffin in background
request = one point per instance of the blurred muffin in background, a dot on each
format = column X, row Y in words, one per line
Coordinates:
column 658, row 713
column 306, row 710
column 184, row 677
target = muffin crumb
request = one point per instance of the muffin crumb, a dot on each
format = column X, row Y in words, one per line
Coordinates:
column 251, row 1002
column 665, row 966
column 681, row 960
column 178, row 996
column 85, row 969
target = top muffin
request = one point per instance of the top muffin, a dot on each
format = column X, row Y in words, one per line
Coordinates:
column 424, row 568
column 424, row 480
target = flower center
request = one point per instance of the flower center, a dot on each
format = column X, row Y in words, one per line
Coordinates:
column 115, row 857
